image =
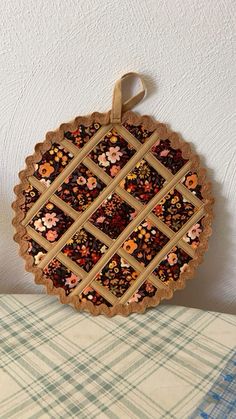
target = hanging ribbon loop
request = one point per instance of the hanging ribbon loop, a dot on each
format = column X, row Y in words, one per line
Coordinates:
column 118, row 107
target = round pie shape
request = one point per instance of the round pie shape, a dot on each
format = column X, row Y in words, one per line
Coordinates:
column 113, row 218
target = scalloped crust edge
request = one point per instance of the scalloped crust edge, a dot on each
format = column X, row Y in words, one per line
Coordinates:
column 20, row 236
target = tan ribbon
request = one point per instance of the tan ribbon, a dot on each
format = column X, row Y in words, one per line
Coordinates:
column 117, row 106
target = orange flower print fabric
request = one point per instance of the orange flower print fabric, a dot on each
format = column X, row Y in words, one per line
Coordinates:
column 51, row 222
column 147, row 289
column 145, row 242
column 174, row 210
column 61, row 276
column 82, row 135
column 117, row 276
column 80, row 189
column 52, row 164
column 193, row 235
column 112, row 153
column 173, row 265
column 113, row 216
column 84, row 249
column 143, row 182
column 191, row 182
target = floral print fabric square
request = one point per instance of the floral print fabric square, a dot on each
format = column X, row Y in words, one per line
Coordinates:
column 82, row 134
column 113, row 216
column 145, row 242
column 143, row 182
column 193, row 235
column 174, row 210
column 35, row 250
column 84, row 249
column 117, row 276
column 171, row 158
column 51, row 222
column 61, row 276
column 112, row 153
column 31, row 195
column 52, row 164
column 80, row 189
column 173, row 265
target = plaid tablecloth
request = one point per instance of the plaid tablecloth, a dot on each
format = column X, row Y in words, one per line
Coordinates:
column 166, row 363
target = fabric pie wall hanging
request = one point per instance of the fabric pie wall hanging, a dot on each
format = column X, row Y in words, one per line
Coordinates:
column 113, row 211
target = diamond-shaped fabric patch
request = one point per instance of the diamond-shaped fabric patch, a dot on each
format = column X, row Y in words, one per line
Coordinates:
column 143, row 182
column 117, row 276
column 138, row 131
column 84, row 249
column 147, row 289
column 112, row 153
column 51, row 222
column 61, row 276
column 113, row 216
column 89, row 294
column 193, row 235
column 173, row 265
column 35, row 250
column 82, row 134
column 31, row 195
column 80, row 189
column 174, row 210
column 145, row 242
column 170, row 157
column 191, row 182
column 52, row 164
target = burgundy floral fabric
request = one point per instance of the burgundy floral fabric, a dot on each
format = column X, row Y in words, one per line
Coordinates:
column 192, row 183
column 52, row 164
column 82, row 134
column 117, row 276
column 113, row 216
column 84, row 249
column 143, row 182
column 31, row 195
column 173, row 265
column 80, row 188
column 112, row 153
column 61, row 276
column 138, row 131
column 51, row 222
column 147, row 289
column 171, row 158
column 89, row 294
column 193, row 235
column 35, row 250
column 174, row 210
column 145, row 242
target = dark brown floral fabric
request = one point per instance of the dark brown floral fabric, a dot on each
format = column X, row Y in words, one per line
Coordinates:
column 89, row 294
column 35, row 250
column 191, row 182
column 31, row 195
column 145, row 242
column 117, row 276
column 82, row 134
column 174, row 210
column 80, row 189
column 138, row 131
column 147, row 289
column 143, row 182
column 52, row 164
column 173, row 265
column 84, row 249
column 171, row 158
column 113, row 216
column 112, row 153
column 61, row 276
column 193, row 235
column 51, row 222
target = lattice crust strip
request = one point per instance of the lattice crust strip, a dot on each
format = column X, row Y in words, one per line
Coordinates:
column 142, row 151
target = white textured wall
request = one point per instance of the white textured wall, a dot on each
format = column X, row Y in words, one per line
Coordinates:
column 59, row 59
